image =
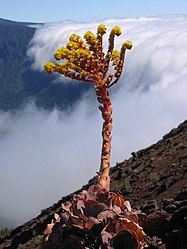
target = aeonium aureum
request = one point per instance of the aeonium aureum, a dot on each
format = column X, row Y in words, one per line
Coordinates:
column 85, row 60
column 96, row 218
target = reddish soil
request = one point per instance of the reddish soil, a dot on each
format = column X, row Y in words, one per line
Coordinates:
column 153, row 180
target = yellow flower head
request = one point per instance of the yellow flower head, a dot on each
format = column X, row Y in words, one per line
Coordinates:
column 74, row 38
column 50, row 67
column 90, row 37
column 62, row 53
column 128, row 44
column 116, row 30
column 115, row 55
column 72, row 45
column 101, row 29
column 81, row 53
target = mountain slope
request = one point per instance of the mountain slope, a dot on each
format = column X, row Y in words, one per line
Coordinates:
column 158, row 172
column 14, row 40
column 19, row 84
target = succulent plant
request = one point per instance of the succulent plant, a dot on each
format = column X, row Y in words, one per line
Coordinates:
column 87, row 62
column 96, row 218
column 97, row 210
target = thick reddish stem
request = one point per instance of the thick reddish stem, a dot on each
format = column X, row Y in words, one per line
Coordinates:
column 106, row 110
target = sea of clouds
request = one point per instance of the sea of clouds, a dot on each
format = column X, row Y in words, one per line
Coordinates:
column 46, row 155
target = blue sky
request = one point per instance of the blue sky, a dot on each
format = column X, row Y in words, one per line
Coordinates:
column 83, row 10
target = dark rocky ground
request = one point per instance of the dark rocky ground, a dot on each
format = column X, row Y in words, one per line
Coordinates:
column 153, row 180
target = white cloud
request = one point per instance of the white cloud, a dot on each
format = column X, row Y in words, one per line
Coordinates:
column 47, row 155
column 43, row 157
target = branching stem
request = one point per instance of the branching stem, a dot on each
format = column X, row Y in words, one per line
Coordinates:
column 106, row 110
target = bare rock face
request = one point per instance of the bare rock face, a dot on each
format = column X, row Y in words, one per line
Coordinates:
column 176, row 236
column 168, row 223
column 153, row 180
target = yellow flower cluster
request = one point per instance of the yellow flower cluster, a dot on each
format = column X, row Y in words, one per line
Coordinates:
column 116, row 31
column 101, row 29
column 50, row 67
column 115, row 57
column 90, row 38
column 127, row 44
column 86, row 61
column 62, row 53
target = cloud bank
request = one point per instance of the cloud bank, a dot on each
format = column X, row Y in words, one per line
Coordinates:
column 47, row 155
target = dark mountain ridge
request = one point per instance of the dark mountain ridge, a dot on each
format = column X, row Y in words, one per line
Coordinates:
column 153, row 179
column 19, row 84
column 11, row 22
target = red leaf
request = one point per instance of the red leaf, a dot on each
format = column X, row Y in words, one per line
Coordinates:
column 91, row 222
column 128, row 205
column 106, row 237
column 117, row 200
column 111, row 227
column 102, row 195
column 93, row 208
column 106, row 216
column 130, row 216
column 80, row 205
column 66, row 206
column 116, row 210
column 133, row 226
column 120, row 226
column 77, row 222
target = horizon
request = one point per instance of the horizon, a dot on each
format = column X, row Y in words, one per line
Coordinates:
column 43, row 12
